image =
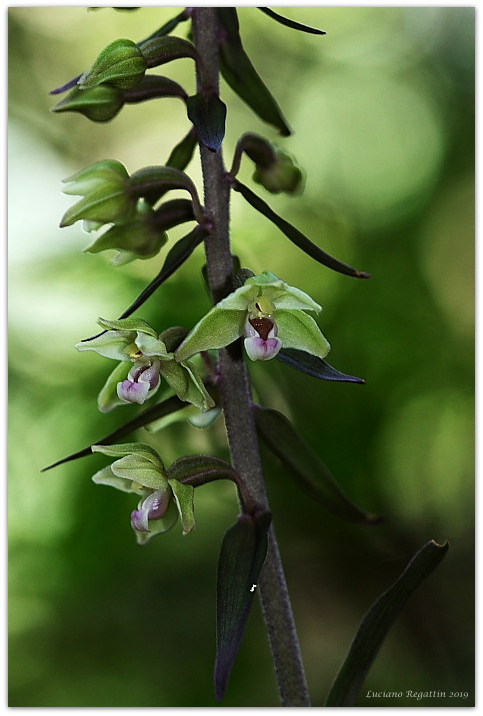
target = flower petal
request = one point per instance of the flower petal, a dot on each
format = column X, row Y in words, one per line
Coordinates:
column 217, row 329
column 259, row 349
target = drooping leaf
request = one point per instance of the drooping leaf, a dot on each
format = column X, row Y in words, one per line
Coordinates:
column 170, row 405
column 242, row 555
column 296, row 236
column 241, row 75
column 208, row 114
column 376, row 624
column 305, row 466
column 291, row 23
column 314, row 366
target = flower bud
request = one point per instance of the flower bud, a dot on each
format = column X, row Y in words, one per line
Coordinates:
column 138, row 238
column 120, row 64
column 106, row 194
column 100, row 104
column 279, row 175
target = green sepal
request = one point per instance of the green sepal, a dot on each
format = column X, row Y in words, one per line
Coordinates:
column 305, row 467
column 184, row 498
column 301, row 331
column 120, row 64
column 99, row 104
column 281, row 294
column 138, row 325
column 243, row 552
column 108, row 398
column 107, row 477
column 208, row 114
column 217, row 329
column 137, row 463
column 240, row 74
column 184, row 379
column 377, row 622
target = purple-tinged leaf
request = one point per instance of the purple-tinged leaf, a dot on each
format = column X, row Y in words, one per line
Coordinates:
column 208, row 114
column 175, row 258
column 296, row 236
column 168, row 406
column 240, row 74
column 291, row 23
column 305, row 467
column 242, row 555
column 314, row 366
column 376, row 624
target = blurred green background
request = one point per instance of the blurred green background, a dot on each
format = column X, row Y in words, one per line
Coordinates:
column 382, row 109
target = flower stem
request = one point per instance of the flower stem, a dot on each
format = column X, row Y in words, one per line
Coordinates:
column 235, row 386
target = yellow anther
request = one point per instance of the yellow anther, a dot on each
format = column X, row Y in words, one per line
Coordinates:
column 262, row 307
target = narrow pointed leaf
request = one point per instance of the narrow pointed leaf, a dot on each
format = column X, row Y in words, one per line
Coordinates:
column 183, row 152
column 296, row 236
column 208, row 114
column 175, row 258
column 241, row 75
column 314, row 366
column 168, row 406
column 291, row 23
column 305, row 466
column 377, row 622
column 167, row 27
column 242, row 555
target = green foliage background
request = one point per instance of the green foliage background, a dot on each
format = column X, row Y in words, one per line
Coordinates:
column 383, row 114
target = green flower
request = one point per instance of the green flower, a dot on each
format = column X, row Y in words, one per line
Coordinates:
column 140, row 470
column 268, row 313
column 144, row 359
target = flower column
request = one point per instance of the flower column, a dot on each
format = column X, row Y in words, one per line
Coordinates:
column 235, row 386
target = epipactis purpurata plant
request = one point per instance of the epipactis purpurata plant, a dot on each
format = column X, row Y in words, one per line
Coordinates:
column 202, row 368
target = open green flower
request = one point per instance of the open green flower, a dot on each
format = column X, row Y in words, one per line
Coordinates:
column 268, row 313
column 144, row 359
column 139, row 469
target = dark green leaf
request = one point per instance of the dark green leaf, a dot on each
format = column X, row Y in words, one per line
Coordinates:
column 183, row 152
column 208, row 114
column 305, row 466
column 314, row 366
column 168, row 406
column 295, row 235
column 167, row 27
column 377, row 622
column 242, row 77
column 291, row 23
column 242, row 555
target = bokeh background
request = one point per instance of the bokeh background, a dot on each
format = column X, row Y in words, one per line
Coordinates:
column 382, row 109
